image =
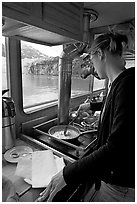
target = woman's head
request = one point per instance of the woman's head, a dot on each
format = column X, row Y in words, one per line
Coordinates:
column 111, row 42
column 104, row 46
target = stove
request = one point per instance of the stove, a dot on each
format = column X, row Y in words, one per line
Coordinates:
column 85, row 143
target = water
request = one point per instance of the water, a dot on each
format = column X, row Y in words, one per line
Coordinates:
column 42, row 88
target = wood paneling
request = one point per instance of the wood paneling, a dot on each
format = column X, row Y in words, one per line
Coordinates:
column 62, row 18
column 67, row 16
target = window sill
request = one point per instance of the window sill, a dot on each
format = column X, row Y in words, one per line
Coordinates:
column 39, row 107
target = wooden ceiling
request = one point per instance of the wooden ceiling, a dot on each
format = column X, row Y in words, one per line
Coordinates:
column 110, row 15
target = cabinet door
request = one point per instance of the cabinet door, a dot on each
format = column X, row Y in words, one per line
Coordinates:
column 23, row 7
column 67, row 16
column 62, row 18
column 22, row 11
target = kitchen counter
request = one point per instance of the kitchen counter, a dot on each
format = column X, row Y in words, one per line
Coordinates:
column 24, row 190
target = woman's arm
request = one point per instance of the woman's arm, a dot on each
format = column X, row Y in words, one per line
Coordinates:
column 94, row 106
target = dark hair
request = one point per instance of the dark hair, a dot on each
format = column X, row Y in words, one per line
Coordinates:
column 111, row 42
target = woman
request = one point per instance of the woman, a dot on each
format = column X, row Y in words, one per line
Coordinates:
column 112, row 165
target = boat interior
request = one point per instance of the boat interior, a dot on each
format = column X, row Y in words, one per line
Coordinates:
column 72, row 25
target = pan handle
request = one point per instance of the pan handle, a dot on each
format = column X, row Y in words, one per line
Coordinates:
column 88, row 131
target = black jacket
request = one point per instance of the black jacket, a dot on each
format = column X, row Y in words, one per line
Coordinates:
column 114, row 159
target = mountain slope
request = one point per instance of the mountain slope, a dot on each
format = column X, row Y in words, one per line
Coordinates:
column 35, row 62
column 28, row 52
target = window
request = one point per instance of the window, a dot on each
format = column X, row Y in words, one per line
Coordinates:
column 4, row 67
column 79, row 85
column 98, row 84
column 130, row 63
column 40, row 75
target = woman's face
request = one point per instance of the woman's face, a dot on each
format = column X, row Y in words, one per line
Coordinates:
column 99, row 65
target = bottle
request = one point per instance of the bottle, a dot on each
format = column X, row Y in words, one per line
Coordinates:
column 8, row 123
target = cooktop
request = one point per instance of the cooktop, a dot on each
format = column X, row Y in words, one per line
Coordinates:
column 76, row 149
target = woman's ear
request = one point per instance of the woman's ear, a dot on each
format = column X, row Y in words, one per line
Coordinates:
column 100, row 54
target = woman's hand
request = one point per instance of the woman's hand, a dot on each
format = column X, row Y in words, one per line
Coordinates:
column 56, row 184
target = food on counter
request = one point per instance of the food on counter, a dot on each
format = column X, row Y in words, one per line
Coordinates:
column 90, row 120
column 84, row 114
column 70, row 134
column 96, row 124
column 90, row 112
column 79, row 119
column 87, row 118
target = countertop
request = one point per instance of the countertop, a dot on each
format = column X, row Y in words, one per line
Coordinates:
column 24, row 190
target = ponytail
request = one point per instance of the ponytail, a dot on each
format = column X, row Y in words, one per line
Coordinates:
column 114, row 43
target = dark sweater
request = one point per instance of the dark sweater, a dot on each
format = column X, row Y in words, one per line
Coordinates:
column 114, row 159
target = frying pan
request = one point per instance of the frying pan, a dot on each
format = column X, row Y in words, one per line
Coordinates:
column 74, row 132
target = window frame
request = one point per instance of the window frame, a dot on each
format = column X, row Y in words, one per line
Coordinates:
column 43, row 105
column 13, row 51
column 14, row 65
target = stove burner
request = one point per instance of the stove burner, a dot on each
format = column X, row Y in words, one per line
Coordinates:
column 74, row 149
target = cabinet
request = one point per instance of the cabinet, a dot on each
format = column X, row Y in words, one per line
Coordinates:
column 18, row 10
column 65, row 15
column 65, row 19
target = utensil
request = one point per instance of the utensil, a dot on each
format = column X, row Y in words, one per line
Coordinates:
column 74, row 115
column 66, row 128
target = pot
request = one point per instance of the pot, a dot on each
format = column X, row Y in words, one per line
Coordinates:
column 71, row 134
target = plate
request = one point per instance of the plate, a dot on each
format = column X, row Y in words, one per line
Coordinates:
column 13, row 155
